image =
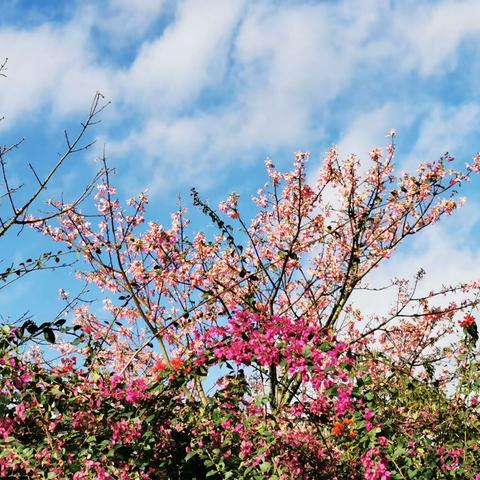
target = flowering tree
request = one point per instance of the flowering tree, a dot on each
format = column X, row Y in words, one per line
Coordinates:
column 305, row 385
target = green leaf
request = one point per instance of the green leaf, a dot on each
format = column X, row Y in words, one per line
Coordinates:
column 190, row 455
column 49, row 335
column 265, row 467
column 325, row 347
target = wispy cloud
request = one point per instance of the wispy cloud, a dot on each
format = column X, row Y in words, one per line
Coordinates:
column 208, row 84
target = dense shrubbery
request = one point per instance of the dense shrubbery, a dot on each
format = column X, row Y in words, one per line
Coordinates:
column 306, row 387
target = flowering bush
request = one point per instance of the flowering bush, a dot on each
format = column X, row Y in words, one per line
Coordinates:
column 305, row 385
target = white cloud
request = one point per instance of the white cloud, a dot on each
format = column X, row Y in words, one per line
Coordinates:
column 442, row 129
column 220, row 80
column 434, row 31
column 369, row 129
column 284, row 68
column 48, row 67
column 190, row 55
column 292, row 61
column 124, row 19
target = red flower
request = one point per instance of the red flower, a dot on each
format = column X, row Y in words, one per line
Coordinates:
column 338, row 428
column 158, row 367
column 468, row 321
column 176, row 363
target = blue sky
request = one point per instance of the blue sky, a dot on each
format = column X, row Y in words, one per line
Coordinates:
column 203, row 91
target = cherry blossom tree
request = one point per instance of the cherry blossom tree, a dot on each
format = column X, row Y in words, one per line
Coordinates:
column 306, row 386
